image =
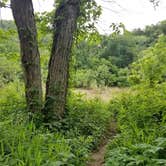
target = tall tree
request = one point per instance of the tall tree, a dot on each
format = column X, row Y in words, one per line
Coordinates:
column 23, row 13
column 65, row 21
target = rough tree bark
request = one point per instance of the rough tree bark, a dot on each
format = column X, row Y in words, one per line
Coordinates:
column 57, row 81
column 25, row 21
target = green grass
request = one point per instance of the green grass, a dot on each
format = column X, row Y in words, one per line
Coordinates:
column 28, row 143
column 141, row 119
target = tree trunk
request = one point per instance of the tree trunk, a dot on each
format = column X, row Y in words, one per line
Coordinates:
column 57, row 81
column 25, row 21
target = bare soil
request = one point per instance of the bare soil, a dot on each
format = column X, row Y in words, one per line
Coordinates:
column 97, row 157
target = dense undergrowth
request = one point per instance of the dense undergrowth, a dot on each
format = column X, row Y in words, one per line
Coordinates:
column 25, row 143
column 141, row 119
column 140, row 113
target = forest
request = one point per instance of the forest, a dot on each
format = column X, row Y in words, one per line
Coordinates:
column 70, row 96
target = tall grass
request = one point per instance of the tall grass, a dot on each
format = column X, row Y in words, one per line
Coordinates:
column 23, row 143
column 141, row 119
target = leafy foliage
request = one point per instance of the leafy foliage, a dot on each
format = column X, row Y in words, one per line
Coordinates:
column 141, row 120
column 139, row 154
column 27, row 142
column 97, row 61
column 150, row 68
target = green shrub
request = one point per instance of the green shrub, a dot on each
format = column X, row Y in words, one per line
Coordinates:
column 84, row 79
column 139, row 154
column 141, row 113
column 150, row 67
column 122, row 80
column 141, row 120
column 24, row 145
column 88, row 118
column 9, row 73
column 12, row 102
column 22, row 142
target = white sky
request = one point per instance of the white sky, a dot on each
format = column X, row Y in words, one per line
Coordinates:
column 133, row 13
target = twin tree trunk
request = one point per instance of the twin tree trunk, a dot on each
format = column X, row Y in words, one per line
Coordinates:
column 58, row 72
column 25, row 21
column 57, row 81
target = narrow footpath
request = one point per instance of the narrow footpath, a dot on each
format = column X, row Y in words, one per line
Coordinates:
column 97, row 157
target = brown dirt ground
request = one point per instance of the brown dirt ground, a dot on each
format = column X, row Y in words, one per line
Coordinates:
column 97, row 157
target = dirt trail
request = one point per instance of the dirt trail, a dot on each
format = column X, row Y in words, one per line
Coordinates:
column 105, row 94
column 97, row 157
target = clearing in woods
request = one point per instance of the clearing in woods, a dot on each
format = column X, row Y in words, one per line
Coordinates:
column 106, row 94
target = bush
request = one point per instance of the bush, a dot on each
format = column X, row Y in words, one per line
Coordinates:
column 141, row 119
column 22, row 142
column 102, row 76
column 150, row 68
column 90, row 117
column 84, row 79
column 141, row 112
column 122, row 80
column 24, row 145
column 139, row 154
column 12, row 102
column 9, row 73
